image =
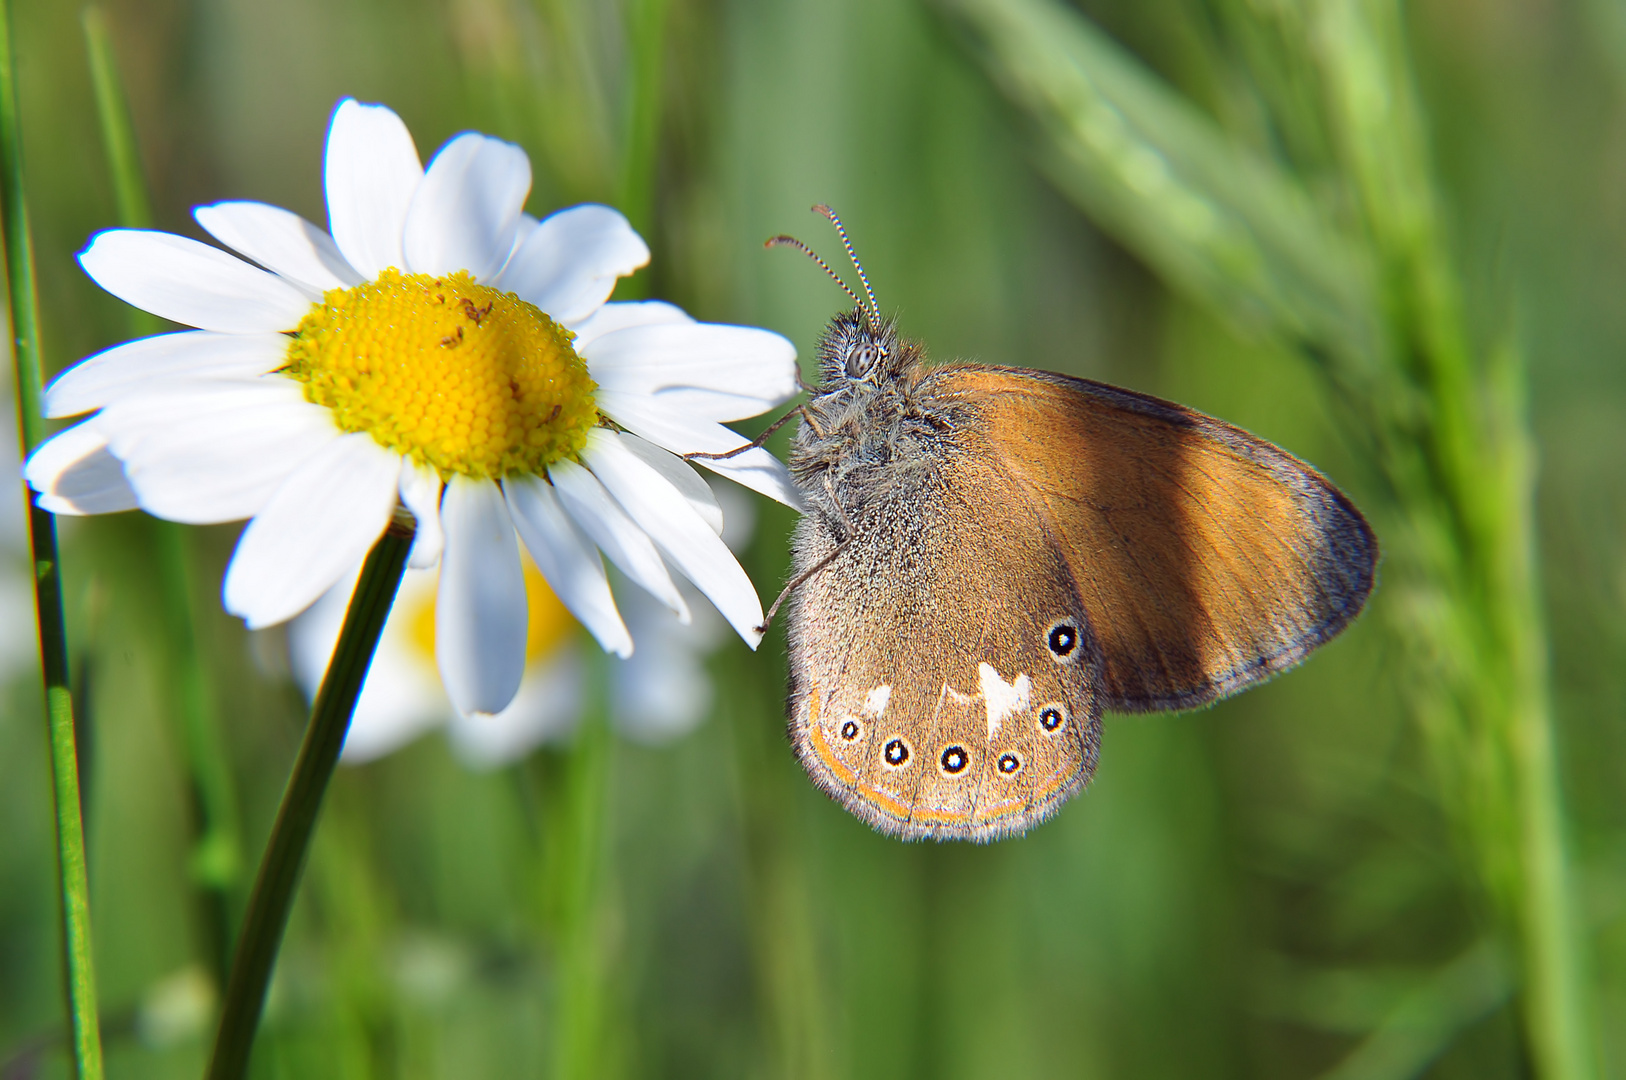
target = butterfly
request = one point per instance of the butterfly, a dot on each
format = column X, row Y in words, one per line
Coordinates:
column 991, row 556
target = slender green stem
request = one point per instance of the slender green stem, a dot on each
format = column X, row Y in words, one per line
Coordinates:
column 273, row 894
column 217, row 856
column 25, row 341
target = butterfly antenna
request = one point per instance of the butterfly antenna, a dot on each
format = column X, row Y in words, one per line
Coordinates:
column 777, row 241
column 874, row 308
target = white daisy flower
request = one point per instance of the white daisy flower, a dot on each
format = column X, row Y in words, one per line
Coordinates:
column 439, row 349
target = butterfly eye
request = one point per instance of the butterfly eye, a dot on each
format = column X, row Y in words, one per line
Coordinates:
column 1062, row 640
column 862, row 359
column 1052, row 717
column 850, row 730
column 896, row 753
column 1010, row 764
column 954, row 760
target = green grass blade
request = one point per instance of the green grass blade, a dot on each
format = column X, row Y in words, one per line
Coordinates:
column 1226, row 226
column 25, row 345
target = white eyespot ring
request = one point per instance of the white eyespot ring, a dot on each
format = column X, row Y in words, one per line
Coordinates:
column 896, row 753
column 1052, row 717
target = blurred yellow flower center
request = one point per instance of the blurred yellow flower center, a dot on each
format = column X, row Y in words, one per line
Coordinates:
column 547, row 626
column 453, row 373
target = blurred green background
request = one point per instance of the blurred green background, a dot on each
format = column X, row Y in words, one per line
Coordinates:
column 1389, row 237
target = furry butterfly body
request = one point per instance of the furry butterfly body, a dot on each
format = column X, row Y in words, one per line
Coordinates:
column 992, row 556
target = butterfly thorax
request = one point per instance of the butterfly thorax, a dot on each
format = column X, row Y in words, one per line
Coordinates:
column 868, row 424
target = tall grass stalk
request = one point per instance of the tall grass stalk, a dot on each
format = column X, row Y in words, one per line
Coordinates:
column 1372, row 298
column 278, row 879
column 24, row 341
column 217, row 854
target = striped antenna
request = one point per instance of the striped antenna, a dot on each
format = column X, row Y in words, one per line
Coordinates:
column 874, row 308
column 777, row 241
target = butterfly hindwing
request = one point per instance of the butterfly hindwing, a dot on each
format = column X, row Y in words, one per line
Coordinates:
column 925, row 694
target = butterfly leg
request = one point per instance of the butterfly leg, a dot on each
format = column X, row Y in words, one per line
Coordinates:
column 754, row 444
column 796, row 582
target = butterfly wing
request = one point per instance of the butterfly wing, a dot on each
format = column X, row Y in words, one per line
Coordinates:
column 1207, row 559
column 924, row 696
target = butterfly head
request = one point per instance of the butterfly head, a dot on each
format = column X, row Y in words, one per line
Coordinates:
column 859, row 350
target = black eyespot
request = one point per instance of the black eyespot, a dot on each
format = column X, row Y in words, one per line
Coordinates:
column 1062, row 639
column 849, row 730
column 1052, row 717
column 1009, row 764
column 896, row 753
column 955, row 759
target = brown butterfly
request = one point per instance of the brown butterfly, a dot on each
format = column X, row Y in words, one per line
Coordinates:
column 991, row 556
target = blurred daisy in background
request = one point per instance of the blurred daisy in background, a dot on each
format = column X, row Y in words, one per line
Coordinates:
column 436, row 349
column 659, row 693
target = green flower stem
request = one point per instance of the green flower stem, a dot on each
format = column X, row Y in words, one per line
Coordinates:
column 273, row 894
column 217, row 856
column 25, row 341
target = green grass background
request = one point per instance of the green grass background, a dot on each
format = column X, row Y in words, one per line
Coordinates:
column 1286, row 885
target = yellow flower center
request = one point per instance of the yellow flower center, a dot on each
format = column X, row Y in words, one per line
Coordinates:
column 452, row 373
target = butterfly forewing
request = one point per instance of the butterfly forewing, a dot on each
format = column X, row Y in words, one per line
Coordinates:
column 1207, row 559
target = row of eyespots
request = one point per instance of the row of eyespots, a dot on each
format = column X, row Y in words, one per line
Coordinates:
column 1051, row 718
column 952, row 761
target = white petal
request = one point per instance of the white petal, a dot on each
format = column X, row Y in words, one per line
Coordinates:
column 612, row 317
column 98, row 380
column 191, row 283
column 282, row 242
column 481, row 616
column 76, row 474
column 318, row 525
column 663, row 692
column 420, row 493
column 546, row 709
column 467, row 209
column 569, row 265
column 628, row 546
column 682, row 535
column 371, row 173
column 682, row 477
column 567, row 560
column 704, row 370
column 210, row 452
column 756, row 469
